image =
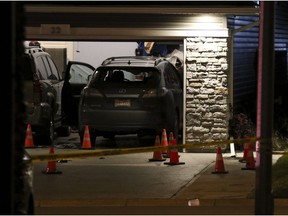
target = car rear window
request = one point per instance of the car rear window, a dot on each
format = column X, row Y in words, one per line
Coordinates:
column 135, row 75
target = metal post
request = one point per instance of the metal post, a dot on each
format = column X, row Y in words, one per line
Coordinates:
column 264, row 203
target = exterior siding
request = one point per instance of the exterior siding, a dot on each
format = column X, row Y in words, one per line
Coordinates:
column 245, row 57
column 281, row 26
column 245, row 60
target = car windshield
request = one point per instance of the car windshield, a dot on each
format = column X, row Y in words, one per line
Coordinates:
column 135, row 75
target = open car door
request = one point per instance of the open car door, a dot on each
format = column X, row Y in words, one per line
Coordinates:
column 76, row 77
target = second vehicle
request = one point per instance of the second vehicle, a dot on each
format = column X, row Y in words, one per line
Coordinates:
column 42, row 95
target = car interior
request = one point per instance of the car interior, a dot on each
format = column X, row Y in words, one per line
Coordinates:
column 118, row 76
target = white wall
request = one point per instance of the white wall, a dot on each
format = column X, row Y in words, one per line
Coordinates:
column 95, row 53
column 91, row 52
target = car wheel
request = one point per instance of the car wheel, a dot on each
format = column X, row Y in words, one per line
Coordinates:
column 175, row 129
column 177, row 133
column 81, row 135
column 51, row 130
column 146, row 139
column 93, row 138
column 63, row 131
column 47, row 137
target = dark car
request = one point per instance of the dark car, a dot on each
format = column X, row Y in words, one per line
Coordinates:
column 42, row 96
column 132, row 95
column 25, row 194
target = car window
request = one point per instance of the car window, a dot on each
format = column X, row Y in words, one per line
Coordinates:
column 54, row 71
column 174, row 79
column 48, row 69
column 132, row 75
column 41, row 69
column 79, row 74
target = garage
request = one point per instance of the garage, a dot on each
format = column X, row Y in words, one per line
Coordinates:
column 33, row 31
column 200, row 27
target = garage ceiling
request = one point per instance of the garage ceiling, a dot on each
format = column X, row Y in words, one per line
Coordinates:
column 128, row 21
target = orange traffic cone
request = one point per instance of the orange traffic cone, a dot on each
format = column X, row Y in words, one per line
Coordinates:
column 51, row 167
column 171, row 137
column 219, row 165
column 164, row 141
column 243, row 159
column 174, row 157
column 29, row 138
column 157, row 155
column 86, row 144
column 250, row 161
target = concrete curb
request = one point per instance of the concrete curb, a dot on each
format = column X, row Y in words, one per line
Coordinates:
column 153, row 202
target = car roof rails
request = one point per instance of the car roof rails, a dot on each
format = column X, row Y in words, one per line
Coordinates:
column 132, row 60
column 32, row 50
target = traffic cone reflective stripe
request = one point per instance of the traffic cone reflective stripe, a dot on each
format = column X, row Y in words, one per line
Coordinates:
column 29, row 138
column 174, row 157
column 250, row 161
column 219, row 165
column 164, row 141
column 86, row 144
column 157, row 154
column 51, row 166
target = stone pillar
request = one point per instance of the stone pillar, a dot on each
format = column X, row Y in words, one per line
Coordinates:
column 207, row 109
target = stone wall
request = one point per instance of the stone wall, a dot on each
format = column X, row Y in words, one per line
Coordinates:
column 207, row 109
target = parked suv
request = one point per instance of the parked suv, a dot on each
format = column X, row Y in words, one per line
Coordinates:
column 42, row 96
column 132, row 95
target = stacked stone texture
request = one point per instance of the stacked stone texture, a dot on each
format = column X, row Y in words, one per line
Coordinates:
column 206, row 89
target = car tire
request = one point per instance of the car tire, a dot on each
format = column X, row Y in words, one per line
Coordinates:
column 46, row 138
column 51, row 135
column 177, row 133
column 63, row 131
column 175, row 128
column 81, row 134
column 146, row 140
column 93, row 138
